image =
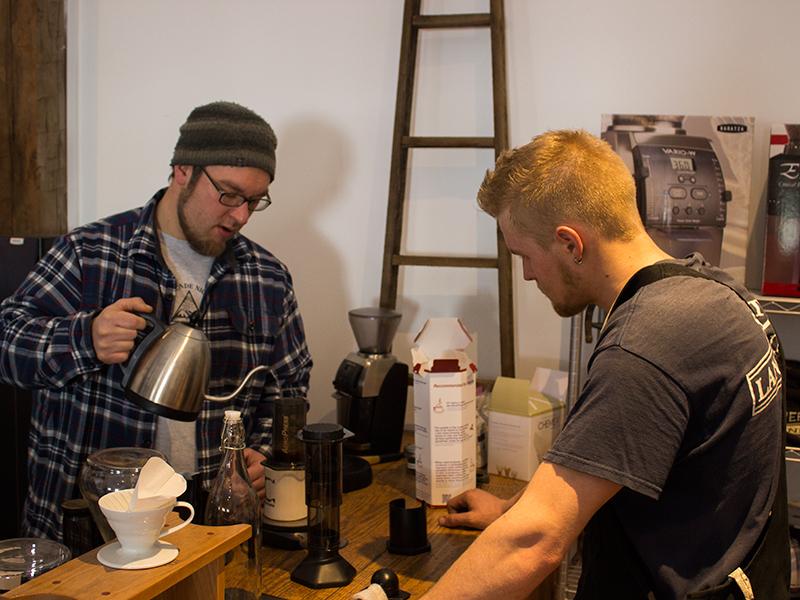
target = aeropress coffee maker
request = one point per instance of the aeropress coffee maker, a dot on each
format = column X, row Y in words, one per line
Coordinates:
column 284, row 510
column 323, row 566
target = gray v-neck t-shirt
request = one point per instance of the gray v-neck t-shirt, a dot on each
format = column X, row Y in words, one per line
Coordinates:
column 682, row 408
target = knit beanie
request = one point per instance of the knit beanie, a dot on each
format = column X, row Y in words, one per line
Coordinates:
column 226, row 133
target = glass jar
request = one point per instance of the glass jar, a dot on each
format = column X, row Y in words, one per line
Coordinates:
column 22, row 559
column 79, row 531
column 111, row 470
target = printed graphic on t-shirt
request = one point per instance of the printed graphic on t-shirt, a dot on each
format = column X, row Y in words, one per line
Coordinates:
column 764, row 381
column 186, row 304
column 759, row 315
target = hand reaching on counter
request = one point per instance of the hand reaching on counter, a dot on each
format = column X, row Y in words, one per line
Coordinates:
column 114, row 329
column 255, row 470
column 475, row 508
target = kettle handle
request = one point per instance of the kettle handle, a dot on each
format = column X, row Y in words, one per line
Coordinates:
column 157, row 329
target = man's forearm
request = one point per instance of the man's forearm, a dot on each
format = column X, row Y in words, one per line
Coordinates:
column 37, row 352
column 515, row 554
column 508, row 560
column 513, row 500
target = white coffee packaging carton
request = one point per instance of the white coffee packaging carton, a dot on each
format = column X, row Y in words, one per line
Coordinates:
column 525, row 416
column 444, row 411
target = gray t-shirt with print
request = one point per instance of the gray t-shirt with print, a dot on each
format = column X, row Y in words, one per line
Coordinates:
column 177, row 439
column 682, row 408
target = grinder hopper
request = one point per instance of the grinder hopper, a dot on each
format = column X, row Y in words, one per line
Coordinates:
column 374, row 329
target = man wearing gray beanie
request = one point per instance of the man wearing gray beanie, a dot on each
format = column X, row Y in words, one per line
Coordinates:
column 180, row 258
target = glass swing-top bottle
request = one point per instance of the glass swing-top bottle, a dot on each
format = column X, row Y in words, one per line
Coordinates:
column 233, row 500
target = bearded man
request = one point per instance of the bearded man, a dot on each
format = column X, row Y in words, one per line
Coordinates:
column 75, row 319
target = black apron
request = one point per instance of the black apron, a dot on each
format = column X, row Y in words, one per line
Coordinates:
column 611, row 568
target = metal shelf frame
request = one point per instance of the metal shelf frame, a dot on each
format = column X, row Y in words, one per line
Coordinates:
column 778, row 305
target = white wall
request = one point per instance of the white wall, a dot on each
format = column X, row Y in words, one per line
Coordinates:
column 324, row 74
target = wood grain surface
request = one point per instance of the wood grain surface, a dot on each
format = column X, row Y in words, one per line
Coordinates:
column 365, row 525
column 33, row 121
column 191, row 575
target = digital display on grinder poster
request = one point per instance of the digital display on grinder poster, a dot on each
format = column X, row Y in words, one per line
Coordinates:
column 682, row 164
column 696, row 182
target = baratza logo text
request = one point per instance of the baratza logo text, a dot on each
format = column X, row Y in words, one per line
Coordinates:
column 764, row 381
column 790, row 170
column 732, row 128
column 678, row 151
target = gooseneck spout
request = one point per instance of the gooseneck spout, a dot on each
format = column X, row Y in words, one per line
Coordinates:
column 235, row 393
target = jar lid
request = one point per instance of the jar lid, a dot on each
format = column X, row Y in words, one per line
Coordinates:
column 75, row 506
column 31, row 556
column 123, row 458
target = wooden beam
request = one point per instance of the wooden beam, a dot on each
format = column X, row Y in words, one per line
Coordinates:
column 448, row 142
column 398, row 170
column 445, row 261
column 6, row 212
column 499, row 100
column 33, row 114
column 452, row 21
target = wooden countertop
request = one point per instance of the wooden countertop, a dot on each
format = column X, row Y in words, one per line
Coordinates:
column 364, row 523
column 191, row 575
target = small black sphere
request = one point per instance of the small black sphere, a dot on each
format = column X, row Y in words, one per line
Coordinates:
column 387, row 579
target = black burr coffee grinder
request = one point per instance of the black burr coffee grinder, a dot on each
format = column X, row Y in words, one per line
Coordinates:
column 371, row 386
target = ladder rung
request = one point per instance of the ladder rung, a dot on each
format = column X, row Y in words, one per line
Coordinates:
column 452, row 21
column 448, row 142
column 445, row 261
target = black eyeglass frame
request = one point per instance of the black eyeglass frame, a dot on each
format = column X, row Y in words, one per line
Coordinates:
column 235, row 200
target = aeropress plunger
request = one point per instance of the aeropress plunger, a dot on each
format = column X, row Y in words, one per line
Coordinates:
column 323, row 567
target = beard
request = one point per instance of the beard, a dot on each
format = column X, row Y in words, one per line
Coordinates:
column 573, row 302
column 200, row 244
column 568, row 309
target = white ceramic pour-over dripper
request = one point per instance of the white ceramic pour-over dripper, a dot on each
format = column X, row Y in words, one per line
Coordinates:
column 123, row 503
column 138, row 531
column 156, row 480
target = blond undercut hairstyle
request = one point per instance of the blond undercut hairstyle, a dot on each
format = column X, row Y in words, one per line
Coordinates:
column 563, row 177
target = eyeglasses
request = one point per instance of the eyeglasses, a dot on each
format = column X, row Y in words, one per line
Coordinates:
column 235, row 200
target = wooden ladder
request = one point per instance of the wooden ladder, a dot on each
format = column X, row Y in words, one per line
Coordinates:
column 403, row 141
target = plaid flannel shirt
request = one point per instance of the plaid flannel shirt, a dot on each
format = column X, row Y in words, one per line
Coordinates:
column 79, row 405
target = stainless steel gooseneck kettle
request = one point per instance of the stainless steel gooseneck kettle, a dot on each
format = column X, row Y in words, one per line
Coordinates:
column 168, row 372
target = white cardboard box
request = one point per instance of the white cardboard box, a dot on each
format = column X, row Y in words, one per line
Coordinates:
column 444, row 411
column 524, row 419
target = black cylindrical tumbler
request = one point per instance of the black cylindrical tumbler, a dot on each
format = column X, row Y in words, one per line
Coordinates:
column 408, row 528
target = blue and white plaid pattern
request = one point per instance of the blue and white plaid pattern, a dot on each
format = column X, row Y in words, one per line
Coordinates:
column 79, row 406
